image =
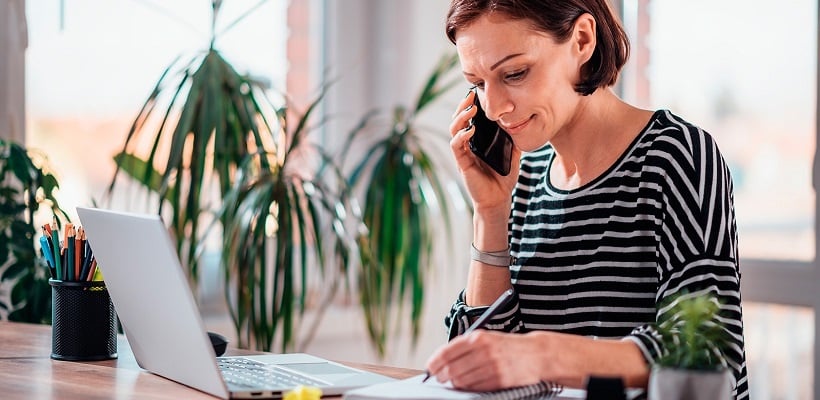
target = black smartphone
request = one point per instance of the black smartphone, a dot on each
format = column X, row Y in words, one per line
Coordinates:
column 490, row 143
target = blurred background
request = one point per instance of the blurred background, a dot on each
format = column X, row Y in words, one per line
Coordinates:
column 744, row 70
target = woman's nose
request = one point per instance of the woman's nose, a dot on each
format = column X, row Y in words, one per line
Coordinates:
column 496, row 103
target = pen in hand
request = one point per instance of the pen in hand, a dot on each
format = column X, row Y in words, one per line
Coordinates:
column 491, row 311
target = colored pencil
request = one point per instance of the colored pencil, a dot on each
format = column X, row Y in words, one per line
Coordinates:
column 69, row 252
column 92, row 269
column 55, row 248
column 78, row 251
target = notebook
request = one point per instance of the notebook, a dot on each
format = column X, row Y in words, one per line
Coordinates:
column 415, row 389
column 163, row 326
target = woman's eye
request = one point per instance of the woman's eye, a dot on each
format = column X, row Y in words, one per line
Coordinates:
column 516, row 76
column 478, row 85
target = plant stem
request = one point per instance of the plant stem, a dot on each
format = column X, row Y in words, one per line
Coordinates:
column 215, row 5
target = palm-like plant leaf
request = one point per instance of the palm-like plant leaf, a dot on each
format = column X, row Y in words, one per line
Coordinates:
column 219, row 139
column 276, row 234
column 434, row 87
column 403, row 191
column 213, row 120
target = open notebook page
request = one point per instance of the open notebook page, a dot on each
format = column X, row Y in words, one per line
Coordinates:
column 414, row 389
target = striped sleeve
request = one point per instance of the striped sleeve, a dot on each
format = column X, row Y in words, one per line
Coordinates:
column 461, row 315
column 698, row 239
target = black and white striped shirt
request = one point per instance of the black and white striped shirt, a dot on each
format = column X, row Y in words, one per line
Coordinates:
column 598, row 260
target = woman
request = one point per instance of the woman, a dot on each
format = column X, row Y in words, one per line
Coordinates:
column 611, row 209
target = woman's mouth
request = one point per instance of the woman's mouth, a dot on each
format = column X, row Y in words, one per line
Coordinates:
column 516, row 127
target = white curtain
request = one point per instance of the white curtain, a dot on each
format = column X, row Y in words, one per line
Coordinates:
column 13, row 43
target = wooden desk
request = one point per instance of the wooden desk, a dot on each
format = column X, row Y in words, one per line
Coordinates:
column 28, row 372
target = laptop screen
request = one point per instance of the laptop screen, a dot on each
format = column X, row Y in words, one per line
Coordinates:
column 160, row 317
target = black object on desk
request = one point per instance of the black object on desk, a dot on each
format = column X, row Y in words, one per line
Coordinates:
column 219, row 342
column 605, row 388
column 84, row 322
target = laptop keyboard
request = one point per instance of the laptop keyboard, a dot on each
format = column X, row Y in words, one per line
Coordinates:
column 254, row 374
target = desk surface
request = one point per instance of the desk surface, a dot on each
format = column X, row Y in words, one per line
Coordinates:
column 28, row 372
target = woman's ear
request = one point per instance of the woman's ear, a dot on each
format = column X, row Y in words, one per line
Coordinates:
column 584, row 37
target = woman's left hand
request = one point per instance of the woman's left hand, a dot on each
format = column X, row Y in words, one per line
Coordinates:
column 487, row 360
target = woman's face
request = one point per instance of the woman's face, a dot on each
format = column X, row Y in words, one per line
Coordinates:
column 524, row 78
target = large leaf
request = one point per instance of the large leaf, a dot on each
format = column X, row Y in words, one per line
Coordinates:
column 403, row 198
column 283, row 229
column 142, row 172
column 213, row 115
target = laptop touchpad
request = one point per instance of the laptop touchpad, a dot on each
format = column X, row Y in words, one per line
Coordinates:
column 327, row 371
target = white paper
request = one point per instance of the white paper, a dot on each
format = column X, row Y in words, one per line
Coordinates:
column 414, row 389
column 408, row 389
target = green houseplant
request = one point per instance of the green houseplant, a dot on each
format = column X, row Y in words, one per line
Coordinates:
column 220, row 140
column 268, row 252
column 694, row 365
column 201, row 121
column 405, row 197
column 282, row 222
column 25, row 294
column 229, row 158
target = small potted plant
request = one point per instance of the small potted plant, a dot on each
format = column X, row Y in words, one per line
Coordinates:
column 693, row 366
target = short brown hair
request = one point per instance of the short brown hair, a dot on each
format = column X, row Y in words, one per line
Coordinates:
column 557, row 18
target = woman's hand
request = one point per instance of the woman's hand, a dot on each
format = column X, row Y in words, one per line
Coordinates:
column 487, row 188
column 488, row 360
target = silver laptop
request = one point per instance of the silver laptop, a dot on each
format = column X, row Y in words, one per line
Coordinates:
column 163, row 325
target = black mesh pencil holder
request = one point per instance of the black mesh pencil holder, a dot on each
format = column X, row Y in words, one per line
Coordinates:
column 84, row 324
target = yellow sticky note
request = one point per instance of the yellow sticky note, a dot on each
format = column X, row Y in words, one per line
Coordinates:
column 303, row 393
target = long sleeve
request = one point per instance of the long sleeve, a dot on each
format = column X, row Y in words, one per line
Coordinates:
column 698, row 247
column 460, row 316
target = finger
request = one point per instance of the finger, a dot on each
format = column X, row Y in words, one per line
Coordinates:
column 465, row 361
column 480, row 378
column 465, row 102
column 483, row 368
column 447, row 354
column 459, row 146
column 462, row 119
column 470, row 371
column 459, row 141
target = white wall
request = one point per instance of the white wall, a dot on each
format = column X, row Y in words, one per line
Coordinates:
column 380, row 53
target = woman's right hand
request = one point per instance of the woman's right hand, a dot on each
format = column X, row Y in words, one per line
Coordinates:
column 488, row 189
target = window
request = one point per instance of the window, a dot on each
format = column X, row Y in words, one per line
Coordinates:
column 754, row 89
column 89, row 69
column 746, row 71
